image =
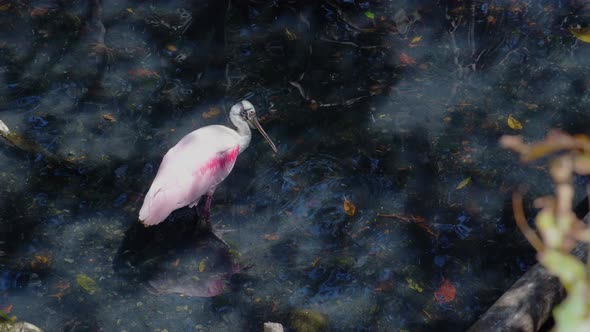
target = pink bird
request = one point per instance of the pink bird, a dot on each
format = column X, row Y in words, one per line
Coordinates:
column 197, row 164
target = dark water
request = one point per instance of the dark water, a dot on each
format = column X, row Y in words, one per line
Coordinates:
column 389, row 105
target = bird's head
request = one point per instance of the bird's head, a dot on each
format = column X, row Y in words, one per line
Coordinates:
column 245, row 111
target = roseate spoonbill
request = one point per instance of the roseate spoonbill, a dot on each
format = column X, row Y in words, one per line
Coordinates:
column 198, row 163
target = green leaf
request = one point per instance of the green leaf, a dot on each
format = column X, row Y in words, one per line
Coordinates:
column 567, row 268
column 571, row 315
column 87, row 283
column 4, row 317
column 547, row 226
column 463, row 183
column 370, row 14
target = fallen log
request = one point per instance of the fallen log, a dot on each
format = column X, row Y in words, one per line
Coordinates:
column 528, row 304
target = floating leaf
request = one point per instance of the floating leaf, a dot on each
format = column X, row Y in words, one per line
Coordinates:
column 211, row 113
column 87, row 283
column 384, row 286
column 38, row 12
column 370, row 14
column 406, row 60
column 109, row 117
column 581, row 34
column 144, row 73
column 7, row 309
column 315, row 261
column 41, row 261
column 349, row 207
column 416, row 40
column 446, row 292
column 171, row 48
column 290, row 35
column 463, row 183
column 130, row 10
column 414, row 285
column 4, row 7
column 513, row 123
column 63, row 288
column 202, row 264
column 270, row 237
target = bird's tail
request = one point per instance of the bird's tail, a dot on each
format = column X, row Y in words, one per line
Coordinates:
column 151, row 213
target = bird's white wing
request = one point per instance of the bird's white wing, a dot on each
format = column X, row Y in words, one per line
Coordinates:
column 197, row 164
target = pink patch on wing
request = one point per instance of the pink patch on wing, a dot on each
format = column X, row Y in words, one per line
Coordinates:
column 221, row 160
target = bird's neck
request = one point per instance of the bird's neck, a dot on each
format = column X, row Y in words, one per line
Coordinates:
column 243, row 131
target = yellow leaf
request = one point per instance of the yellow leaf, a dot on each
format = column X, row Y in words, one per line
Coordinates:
column 171, row 48
column 211, row 113
column 582, row 164
column 202, row 265
column 130, row 10
column 416, row 39
column 315, row 262
column 581, row 34
column 109, row 117
column 414, row 285
column 513, row 123
column 5, row 7
column 463, row 183
column 290, row 35
column 349, row 207
column 271, row 237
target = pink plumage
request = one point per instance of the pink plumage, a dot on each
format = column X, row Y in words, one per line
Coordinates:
column 192, row 168
column 197, row 164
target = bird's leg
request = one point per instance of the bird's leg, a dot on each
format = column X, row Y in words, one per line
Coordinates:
column 207, row 208
column 207, row 213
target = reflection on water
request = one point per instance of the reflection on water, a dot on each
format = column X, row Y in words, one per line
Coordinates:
column 386, row 208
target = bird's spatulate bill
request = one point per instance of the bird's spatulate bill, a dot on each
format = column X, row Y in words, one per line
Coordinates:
column 259, row 127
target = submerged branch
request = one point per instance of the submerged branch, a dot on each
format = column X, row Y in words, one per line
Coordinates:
column 24, row 144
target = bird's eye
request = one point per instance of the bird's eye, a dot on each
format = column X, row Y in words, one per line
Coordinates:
column 251, row 113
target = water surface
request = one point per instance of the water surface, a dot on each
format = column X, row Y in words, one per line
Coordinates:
column 389, row 105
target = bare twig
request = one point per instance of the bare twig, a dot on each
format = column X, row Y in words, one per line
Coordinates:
column 522, row 224
column 370, row 47
column 471, row 35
